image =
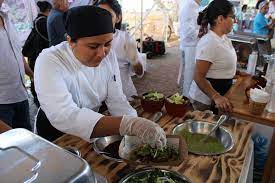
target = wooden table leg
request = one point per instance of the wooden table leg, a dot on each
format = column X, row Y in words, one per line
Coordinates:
column 270, row 162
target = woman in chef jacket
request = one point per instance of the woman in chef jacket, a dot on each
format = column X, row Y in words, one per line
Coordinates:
column 216, row 58
column 125, row 49
column 73, row 78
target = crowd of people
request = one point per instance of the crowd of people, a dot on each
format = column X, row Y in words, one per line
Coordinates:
column 79, row 58
column 72, row 77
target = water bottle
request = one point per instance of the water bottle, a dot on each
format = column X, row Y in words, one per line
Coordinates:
column 270, row 67
column 252, row 62
column 271, row 104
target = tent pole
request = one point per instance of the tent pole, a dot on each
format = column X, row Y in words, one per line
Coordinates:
column 141, row 28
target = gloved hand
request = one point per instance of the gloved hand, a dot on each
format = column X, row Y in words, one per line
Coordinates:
column 147, row 131
column 138, row 131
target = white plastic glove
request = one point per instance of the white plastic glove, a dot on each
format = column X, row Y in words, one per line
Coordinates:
column 138, row 131
column 147, row 131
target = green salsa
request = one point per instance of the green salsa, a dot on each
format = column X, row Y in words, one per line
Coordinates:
column 194, row 144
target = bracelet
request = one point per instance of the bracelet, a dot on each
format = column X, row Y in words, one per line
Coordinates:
column 213, row 96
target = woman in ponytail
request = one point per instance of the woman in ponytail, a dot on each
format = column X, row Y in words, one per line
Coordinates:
column 203, row 22
column 216, row 59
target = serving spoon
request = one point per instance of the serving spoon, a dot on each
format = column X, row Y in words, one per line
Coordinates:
column 217, row 125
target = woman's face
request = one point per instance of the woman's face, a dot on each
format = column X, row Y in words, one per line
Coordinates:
column 90, row 51
column 115, row 18
column 226, row 23
column 264, row 9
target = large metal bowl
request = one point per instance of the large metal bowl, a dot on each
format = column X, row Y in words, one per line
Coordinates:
column 202, row 127
column 101, row 143
column 141, row 172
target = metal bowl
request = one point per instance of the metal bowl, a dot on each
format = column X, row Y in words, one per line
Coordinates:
column 202, row 127
column 141, row 172
column 101, row 143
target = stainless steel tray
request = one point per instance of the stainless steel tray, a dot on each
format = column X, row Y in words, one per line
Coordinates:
column 202, row 127
column 57, row 164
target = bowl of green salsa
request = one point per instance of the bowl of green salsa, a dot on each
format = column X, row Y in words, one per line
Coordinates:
column 220, row 142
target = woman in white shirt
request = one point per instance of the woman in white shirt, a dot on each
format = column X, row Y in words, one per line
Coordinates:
column 215, row 58
column 73, row 78
column 125, row 48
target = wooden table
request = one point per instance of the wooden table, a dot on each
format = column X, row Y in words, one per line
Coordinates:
column 241, row 110
column 199, row 169
column 4, row 127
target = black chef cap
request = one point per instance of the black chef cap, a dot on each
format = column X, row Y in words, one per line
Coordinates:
column 87, row 21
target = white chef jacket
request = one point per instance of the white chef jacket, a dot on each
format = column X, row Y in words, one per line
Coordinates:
column 120, row 43
column 70, row 93
column 189, row 29
column 221, row 53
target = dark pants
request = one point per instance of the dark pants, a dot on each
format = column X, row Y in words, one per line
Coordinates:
column 221, row 86
column 16, row 115
column 35, row 99
column 44, row 127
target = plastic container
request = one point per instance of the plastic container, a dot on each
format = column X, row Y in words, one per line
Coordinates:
column 252, row 62
column 258, row 100
column 271, row 105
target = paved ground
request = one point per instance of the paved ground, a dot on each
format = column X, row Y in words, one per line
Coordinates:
column 161, row 74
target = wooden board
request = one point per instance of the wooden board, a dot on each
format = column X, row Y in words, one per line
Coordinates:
column 199, row 169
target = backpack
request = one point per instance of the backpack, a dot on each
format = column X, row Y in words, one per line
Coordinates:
column 29, row 49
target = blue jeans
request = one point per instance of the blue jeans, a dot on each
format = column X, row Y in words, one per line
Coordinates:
column 16, row 115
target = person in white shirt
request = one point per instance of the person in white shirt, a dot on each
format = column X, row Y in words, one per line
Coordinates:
column 73, row 78
column 14, row 106
column 189, row 31
column 125, row 48
column 216, row 58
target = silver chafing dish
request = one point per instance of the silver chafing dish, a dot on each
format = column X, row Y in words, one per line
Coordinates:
column 26, row 157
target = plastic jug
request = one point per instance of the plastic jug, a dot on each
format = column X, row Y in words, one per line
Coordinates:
column 252, row 62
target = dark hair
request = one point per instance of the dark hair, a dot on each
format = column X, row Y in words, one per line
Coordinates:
column 258, row 3
column 115, row 6
column 44, row 6
column 211, row 13
column 244, row 7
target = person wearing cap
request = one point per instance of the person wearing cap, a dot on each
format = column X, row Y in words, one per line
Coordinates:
column 261, row 24
column 73, row 78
